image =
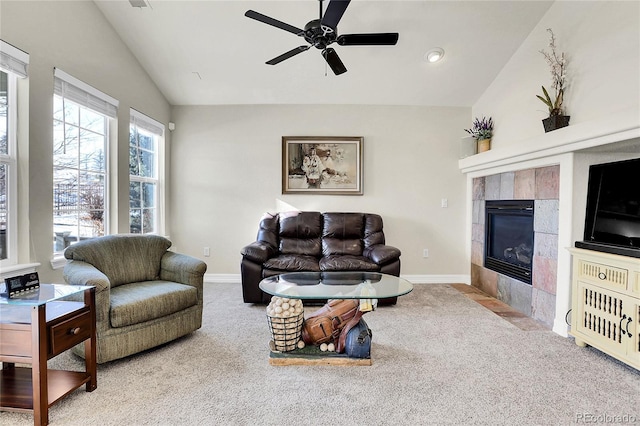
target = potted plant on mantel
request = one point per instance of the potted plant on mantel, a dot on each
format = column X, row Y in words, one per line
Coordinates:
column 558, row 65
column 482, row 132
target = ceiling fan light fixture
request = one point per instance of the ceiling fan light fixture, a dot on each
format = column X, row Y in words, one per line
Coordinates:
column 434, row 55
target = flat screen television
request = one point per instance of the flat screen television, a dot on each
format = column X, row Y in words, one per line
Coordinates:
column 612, row 222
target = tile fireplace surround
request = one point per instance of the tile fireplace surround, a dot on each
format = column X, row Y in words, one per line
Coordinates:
column 551, row 169
column 537, row 300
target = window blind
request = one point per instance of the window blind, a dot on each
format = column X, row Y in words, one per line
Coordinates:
column 147, row 123
column 83, row 94
column 13, row 60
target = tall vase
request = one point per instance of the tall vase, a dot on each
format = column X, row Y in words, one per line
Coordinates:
column 484, row 145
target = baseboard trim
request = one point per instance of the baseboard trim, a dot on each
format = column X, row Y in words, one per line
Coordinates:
column 560, row 327
column 222, row 278
column 414, row 279
column 437, row 279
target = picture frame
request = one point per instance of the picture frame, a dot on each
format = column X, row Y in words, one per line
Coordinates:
column 330, row 165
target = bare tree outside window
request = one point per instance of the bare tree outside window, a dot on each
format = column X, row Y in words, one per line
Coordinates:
column 79, row 173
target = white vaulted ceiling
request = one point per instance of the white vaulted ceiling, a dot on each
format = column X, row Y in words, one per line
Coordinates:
column 208, row 53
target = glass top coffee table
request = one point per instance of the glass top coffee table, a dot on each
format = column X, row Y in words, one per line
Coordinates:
column 326, row 285
column 335, row 285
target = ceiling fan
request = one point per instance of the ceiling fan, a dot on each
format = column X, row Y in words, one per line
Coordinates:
column 322, row 32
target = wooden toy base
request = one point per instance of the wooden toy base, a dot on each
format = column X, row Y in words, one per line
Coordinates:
column 312, row 355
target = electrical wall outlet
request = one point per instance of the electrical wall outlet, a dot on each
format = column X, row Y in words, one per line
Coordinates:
column 425, row 253
column 207, row 252
column 444, row 203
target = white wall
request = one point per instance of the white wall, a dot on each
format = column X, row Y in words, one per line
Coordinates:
column 602, row 43
column 75, row 37
column 601, row 40
column 227, row 172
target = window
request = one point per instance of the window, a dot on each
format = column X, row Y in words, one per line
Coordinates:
column 7, row 162
column 144, row 159
column 81, row 117
column 13, row 65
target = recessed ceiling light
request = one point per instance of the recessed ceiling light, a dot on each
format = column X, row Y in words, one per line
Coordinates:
column 434, row 55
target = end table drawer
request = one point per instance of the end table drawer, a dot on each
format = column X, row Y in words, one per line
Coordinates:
column 69, row 333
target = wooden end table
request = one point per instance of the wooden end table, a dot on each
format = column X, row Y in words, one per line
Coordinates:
column 36, row 327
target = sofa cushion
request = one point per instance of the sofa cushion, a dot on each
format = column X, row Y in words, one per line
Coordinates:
column 268, row 230
column 373, row 233
column 300, row 233
column 343, row 225
column 300, row 246
column 290, row 262
column 337, row 246
column 346, row 263
column 123, row 258
column 144, row 301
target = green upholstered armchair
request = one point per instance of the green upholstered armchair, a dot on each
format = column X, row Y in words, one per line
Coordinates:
column 145, row 294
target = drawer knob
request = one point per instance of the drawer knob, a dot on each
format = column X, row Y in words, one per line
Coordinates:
column 74, row 331
column 602, row 275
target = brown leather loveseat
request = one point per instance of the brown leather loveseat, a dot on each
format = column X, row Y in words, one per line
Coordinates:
column 318, row 242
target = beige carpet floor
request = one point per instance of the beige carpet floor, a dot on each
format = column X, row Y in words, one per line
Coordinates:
column 439, row 358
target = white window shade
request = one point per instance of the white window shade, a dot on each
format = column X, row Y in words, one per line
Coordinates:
column 144, row 122
column 13, row 60
column 83, row 94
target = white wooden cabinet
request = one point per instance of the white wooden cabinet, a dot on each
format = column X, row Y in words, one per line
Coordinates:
column 606, row 303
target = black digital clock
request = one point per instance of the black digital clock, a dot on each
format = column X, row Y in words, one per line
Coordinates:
column 21, row 284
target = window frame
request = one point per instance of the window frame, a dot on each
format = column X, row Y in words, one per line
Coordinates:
column 140, row 122
column 10, row 160
column 84, row 96
column 77, row 168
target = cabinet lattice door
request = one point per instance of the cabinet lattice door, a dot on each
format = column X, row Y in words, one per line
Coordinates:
column 604, row 316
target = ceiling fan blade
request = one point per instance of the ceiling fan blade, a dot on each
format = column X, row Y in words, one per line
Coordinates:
column 334, row 13
column 373, row 39
column 334, row 61
column 273, row 22
column 287, row 55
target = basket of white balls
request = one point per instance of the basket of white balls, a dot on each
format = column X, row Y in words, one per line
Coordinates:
column 285, row 317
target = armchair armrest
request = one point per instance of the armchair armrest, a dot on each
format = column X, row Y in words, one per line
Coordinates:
column 182, row 269
column 258, row 252
column 77, row 272
column 382, row 254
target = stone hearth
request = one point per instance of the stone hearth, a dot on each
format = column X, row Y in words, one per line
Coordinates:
column 542, row 185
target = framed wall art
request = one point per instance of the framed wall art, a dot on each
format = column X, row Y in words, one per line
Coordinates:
column 322, row 165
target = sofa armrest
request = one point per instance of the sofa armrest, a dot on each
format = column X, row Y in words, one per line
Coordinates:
column 382, row 254
column 258, row 252
column 182, row 269
column 77, row 272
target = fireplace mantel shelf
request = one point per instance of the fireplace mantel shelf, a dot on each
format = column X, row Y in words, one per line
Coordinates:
column 621, row 127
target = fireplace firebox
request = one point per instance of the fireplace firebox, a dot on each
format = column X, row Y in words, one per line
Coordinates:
column 509, row 235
